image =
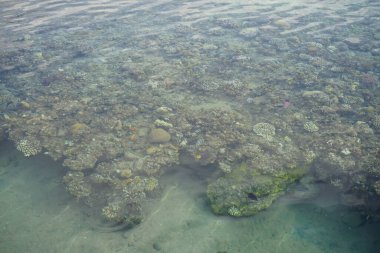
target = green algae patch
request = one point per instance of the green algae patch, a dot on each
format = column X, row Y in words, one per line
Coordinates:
column 247, row 190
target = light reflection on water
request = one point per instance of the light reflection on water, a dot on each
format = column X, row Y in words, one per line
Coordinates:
column 95, row 61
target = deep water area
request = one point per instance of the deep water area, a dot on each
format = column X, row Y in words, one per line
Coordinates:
column 190, row 126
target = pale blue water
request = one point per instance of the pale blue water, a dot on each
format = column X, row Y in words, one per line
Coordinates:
column 84, row 83
column 37, row 215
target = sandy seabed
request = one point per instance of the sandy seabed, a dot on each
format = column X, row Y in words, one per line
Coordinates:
column 38, row 215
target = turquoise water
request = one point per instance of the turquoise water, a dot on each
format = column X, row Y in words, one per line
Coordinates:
column 38, row 215
column 190, row 126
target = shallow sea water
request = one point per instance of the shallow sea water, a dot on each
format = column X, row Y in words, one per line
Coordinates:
column 38, row 215
column 179, row 51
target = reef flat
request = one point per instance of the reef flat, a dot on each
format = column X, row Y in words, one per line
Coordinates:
column 257, row 98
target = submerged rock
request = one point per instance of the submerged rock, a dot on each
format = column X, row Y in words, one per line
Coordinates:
column 353, row 41
column 249, row 32
column 246, row 191
column 159, row 135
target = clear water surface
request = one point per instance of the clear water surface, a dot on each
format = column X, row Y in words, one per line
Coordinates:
column 75, row 72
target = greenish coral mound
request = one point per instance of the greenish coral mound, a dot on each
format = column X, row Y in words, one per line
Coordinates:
column 246, row 190
column 265, row 130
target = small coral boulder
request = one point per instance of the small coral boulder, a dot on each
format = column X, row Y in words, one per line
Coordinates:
column 159, row 135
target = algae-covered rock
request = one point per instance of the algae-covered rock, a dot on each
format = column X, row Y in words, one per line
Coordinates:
column 246, row 191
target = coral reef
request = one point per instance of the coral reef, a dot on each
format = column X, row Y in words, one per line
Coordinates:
column 376, row 121
column 120, row 110
column 248, row 190
column 265, row 130
column 29, row 146
column 310, row 126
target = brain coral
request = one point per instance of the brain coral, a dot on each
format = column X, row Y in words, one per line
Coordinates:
column 265, row 130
